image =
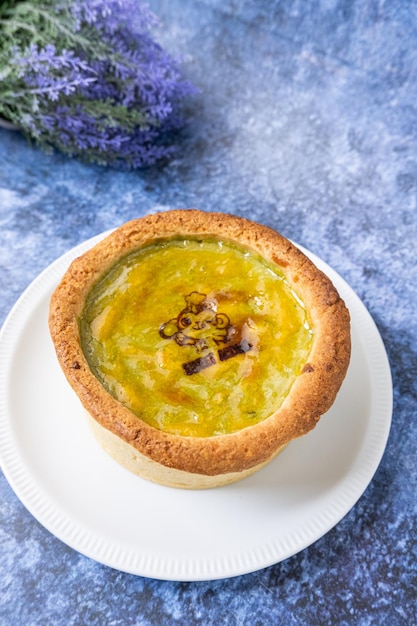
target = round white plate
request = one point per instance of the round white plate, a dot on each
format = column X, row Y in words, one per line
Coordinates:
column 84, row 498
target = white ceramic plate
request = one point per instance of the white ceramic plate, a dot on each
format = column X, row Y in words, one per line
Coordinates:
column 84, row 498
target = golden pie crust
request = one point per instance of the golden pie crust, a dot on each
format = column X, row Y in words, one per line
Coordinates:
column 200, row 462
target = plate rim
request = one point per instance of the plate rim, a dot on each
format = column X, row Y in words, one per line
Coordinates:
column 50, row 517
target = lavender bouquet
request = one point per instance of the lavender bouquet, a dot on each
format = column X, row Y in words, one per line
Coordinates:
column 86, row 77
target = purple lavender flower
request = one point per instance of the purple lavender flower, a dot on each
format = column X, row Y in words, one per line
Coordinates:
column 49, row 73
column 109, row 93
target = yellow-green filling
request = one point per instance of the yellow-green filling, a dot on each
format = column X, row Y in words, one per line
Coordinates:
column 196, row 337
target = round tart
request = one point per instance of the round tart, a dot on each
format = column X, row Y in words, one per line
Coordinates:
column 200, row 344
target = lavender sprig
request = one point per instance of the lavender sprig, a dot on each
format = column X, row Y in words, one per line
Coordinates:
column 83, row 77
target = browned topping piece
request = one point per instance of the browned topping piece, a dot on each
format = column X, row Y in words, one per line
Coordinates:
column 231, row 351
column 193, row 367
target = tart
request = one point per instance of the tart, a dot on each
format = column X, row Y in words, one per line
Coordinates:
column 200, row 344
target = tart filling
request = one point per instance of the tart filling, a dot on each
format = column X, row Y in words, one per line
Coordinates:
column 197, row 337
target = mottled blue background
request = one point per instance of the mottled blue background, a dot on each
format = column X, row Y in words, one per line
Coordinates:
column 306, row 121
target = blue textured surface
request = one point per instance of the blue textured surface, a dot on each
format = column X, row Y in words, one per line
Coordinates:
column 307, row 122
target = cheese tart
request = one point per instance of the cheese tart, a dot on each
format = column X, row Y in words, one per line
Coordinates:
column 200, row 344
